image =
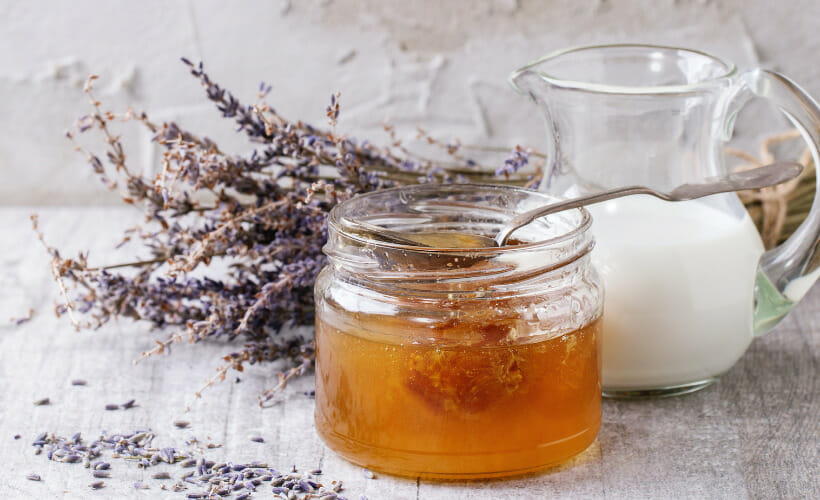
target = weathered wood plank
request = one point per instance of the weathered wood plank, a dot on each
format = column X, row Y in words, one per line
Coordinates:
column 752, row 435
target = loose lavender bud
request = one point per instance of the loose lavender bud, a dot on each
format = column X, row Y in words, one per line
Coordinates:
column 78, row 382
column 128, row 404
column 161, row 475
column 97, row 485
column 182, row 424
column 34, row 477
column 42, row 402
column 258, row 439
column 102, row 474
column 112, row 407
column 368, row 474
column 16, row 437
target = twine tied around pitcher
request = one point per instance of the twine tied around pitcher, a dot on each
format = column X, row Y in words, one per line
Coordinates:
column 777, row 211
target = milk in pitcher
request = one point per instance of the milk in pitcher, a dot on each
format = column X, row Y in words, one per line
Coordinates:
column 672, row 273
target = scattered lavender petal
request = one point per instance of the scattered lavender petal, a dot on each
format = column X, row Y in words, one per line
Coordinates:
column 216, row 479
column 23, row 319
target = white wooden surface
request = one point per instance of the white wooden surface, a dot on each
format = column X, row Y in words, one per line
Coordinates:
column 753, row 435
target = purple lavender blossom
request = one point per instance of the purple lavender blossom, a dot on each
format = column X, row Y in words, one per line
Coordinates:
column 518, row 159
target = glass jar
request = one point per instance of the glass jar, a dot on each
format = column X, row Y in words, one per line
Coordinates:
column 457, row 362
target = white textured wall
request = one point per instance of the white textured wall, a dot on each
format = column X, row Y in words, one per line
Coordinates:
column 440, row 65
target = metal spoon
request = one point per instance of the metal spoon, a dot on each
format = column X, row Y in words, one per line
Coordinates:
column 755, row 178
column 432, row 239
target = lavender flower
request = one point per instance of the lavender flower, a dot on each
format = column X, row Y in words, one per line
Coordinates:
column 517, row 160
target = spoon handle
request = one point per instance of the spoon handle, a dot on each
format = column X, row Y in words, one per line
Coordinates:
column 529, row 216
column 756, row 178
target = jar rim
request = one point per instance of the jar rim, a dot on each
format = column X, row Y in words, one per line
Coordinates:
column 334, row 219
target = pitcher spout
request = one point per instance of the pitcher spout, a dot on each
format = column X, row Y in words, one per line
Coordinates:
column 527, row 82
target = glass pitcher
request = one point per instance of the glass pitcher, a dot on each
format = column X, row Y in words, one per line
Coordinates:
column 688, row 285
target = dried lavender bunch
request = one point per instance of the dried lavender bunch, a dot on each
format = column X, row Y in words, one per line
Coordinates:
column 251, row 225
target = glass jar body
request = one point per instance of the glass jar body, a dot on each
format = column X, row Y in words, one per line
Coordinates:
column 431, row 379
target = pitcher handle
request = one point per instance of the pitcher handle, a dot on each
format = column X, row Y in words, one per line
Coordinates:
column 787, row 272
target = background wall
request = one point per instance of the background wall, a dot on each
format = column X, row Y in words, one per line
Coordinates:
column 439, row 65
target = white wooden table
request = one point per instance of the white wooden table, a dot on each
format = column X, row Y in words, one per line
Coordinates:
column 755, row 434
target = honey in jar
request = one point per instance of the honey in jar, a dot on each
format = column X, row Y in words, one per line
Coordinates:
column 458, row 363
